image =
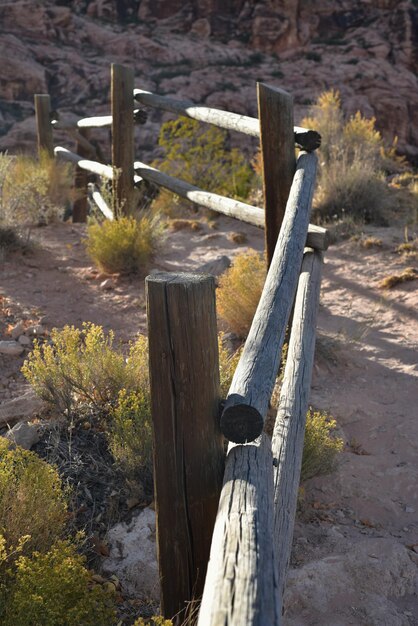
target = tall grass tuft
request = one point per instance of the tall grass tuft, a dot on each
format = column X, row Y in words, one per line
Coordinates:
column 353, row 164
column 240, row 290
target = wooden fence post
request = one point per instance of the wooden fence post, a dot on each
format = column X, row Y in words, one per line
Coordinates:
column 188, row 446
column 81, row 179
column 277, row 140
column 122, row 79
column 43, row 124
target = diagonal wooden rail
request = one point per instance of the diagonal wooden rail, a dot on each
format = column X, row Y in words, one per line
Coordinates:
column 252, row 385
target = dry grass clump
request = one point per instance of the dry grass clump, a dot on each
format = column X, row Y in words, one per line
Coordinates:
column 321, row 447
column 183, row 224
column 238, row 238
column 370, row 242
column 124, row 245
column 408, row 274
column 353, row 165
column 33, row 191
column 240, row 290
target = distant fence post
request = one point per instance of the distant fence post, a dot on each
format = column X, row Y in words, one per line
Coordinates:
column 275, row 111
column 122, row 79
column 81, row 179
column 43, row 124
column 188, row 446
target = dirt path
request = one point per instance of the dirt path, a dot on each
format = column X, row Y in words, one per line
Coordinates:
column 356, row 538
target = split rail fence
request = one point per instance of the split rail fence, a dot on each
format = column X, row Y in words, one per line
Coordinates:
column 224, row 521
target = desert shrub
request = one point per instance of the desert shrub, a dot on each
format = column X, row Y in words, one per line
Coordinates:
column 126, row 244
column 54, row 589
column 81, row 366
column 353, row 164
column 32, row 501
column 408, row 274
column 200, row 155
column 240, row 290
column 130, row 433
column 33, row 191
column 321, row 447
column 155, row 620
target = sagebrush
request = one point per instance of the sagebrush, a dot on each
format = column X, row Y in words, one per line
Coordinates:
column 33, row 503
column 52, row 589
column 321, row 446
column 125, row 245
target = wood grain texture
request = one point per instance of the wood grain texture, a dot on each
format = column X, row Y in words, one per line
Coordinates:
column 275, row 110
column 188, row 446
column 241, row 583
column 43, row 124
column 91, row 166
column 317, row 236
column 122, row 82
column 256, row 372
column 307, row 139
column 289, row 429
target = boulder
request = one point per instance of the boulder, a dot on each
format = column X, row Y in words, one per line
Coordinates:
column 25, row 406
column 24, row 435
column 216, row 267
column 133, row 556
column 11, row 348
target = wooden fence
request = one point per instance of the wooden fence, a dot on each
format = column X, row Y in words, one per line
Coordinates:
column 224, row 522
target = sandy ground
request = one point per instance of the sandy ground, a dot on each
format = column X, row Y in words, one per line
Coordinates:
column 365, row 375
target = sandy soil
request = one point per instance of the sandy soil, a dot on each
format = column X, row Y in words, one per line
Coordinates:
column 365, row 375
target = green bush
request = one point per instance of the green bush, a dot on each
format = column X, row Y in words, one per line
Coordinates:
column 81, row 366
column 353, row 163
column 200, row 155
column 321, row 447
column 240, row 290
column 32, row 501
column 125, row 245
column 54, row 589
column 130, row 433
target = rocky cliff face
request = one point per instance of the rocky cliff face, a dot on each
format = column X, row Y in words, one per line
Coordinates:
column 212, row 51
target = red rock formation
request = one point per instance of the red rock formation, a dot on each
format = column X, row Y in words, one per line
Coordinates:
column 212, row 51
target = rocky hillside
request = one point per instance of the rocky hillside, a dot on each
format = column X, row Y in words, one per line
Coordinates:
column 212, row 52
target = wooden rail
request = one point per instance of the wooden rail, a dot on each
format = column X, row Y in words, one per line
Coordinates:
column 307, row 139
column 252, row 385
column 241, row 583
column 289, row 428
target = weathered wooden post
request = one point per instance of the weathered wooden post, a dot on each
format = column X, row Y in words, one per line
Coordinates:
column 188, row 446
column 81, row 179
column 277, row 140
column 43, row 124
column 122, row 79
